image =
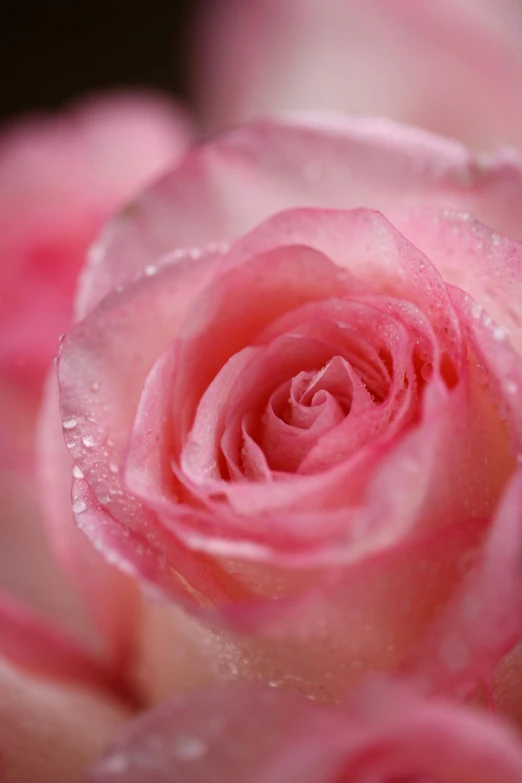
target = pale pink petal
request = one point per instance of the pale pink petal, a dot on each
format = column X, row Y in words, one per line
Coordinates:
column 469, row 255
column 248, row 734
column 151, row 554
column 28, row 566
column 498, row 368
column 51, row 732
column 219, row 734
column 226, row 187
column 32, row 643
column 431, row 64
column 506, row 687
column 103, row 365
column 324, row 633
column 109, row 598
column 484, row 620
column 60, row 178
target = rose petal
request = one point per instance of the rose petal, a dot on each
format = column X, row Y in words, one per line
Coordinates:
column 32, row 643
column 469, row 255
column 226, row 187
column 483, row 621
column 50, row 733
column 101, row 372
column 60, row 177
column 109, row 598
column 429, row 66
column 248, row 734
column 327, row 630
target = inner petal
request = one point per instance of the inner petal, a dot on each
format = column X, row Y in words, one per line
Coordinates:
column 327, row 396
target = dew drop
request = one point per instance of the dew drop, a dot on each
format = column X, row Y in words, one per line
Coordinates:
column 476, row 310
column 115, row 764
column 189, row 748
column 78, row 507
column 69, row 424
column 113, row 467
column 499, row 333
column 454, row 654
column 77, row 472
column 88, row 441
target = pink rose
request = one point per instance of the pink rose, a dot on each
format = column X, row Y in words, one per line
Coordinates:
column 247, row 734
column 297, row 417
column 60, row 178
column 51, row 727
column 453, row 66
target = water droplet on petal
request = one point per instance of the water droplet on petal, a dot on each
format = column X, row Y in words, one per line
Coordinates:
column 88, row 441
column 69, row 424
column 476, row 310
column 189, row 748
column 115, row 764
column 77, row 472
column 454, row 654
column 78, row 507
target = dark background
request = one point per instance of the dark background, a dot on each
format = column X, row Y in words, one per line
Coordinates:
column 52, row 53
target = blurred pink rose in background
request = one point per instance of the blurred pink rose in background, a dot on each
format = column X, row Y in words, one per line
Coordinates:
column 246, row 734
column 298, row 419
column 452, row 66
column 57, row 733
column 60, row 178
column 50, row 730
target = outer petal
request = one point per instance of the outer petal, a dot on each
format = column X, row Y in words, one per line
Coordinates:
column 103, row 365
column 350, row 622
column 28, row 567
column 32, row 643
column 60, row 178
column 50, row 733
column 484, row 620
column 507, row 687
column 227, row 186
column 433, row 65
column 250, row 735
column 471, row 256
column 109, row 598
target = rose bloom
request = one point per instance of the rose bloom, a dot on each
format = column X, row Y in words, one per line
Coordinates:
column 453, row 66
column 291, row 406
column 60, row 178
column 247, row 734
